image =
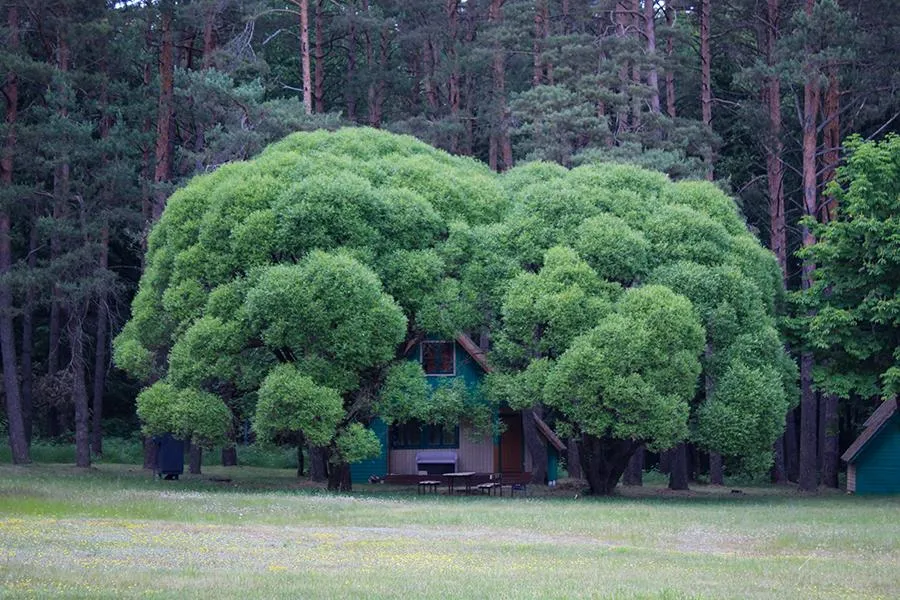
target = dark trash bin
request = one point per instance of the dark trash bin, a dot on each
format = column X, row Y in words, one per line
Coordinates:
column 169, row 456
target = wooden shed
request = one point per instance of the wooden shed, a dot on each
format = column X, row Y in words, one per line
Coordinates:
column 873, row 459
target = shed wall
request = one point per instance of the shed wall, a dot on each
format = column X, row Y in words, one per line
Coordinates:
column 878, row 465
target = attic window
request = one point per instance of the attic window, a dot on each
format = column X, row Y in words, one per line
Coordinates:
column 438, row 358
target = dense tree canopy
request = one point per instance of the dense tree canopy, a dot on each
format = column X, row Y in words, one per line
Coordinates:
column 287, row 285
column 284, row 288
column 630, row 285
column 855, row 326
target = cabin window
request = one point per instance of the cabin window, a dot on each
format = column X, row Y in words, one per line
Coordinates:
column 439, row 358
column 419, row 436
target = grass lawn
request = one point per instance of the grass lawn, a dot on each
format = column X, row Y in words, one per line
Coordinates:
column 115, row 531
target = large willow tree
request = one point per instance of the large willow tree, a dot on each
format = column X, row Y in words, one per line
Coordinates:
column 283, row 288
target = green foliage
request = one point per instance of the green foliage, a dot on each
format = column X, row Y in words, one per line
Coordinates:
column 405, row 394
column 855, row 328
column 187, row 414
column 355, row 443
column 292, row 408
column 633, row 375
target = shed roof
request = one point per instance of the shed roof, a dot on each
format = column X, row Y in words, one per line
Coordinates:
column 872, row 426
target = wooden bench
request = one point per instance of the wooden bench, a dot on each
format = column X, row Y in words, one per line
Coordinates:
column 428, row 486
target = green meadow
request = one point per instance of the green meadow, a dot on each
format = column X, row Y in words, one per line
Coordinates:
column 116, row 531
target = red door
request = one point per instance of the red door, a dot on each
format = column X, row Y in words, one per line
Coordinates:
column 512, row 451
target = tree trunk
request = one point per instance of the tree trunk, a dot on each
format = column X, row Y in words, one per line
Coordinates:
column 318, row 463
column 18, row 441
column 573, row 460
column 670, row 51
column 541, row 17
column 774, row 145
column 830, row 453
column 350, row 84
column 808, row 423
column 623, row 19
column 339, row 478
column 779, row 469
column 453, row 88
column 304, row 55
column 100, row 351
column 209, row 32
column 705, row 77
column 791, row 446
column 300, row 461
column 195, row 464
column 319, row 90
column 149, row 453
column 376, row 90
column 603, row 461
column 75, row 333
column 832, row 138
column 634, row 473
column 165, row 116
column 652, row 75
column 500, row 147
column 678, row 468
column 229, row 455
column 535, row 445
column 716, row 469
column 28, row 335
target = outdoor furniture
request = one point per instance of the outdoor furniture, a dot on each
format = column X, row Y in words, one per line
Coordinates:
column 517, row 487
column 494, row 482
column 437, row 462
column 429, row 486
column 464, row 476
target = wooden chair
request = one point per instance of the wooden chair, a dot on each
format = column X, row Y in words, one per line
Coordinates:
column 494, row 482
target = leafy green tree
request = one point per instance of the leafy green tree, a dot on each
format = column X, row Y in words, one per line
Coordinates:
column 266, row 282
column 630, row 285
column 854, row 330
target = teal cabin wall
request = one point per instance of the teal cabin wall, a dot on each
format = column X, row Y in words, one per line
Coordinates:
column 361, row 471
column 466, row 368
column 878, row 465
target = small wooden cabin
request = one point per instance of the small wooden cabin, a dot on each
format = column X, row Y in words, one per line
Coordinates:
column 412, row 449
column 873, row 459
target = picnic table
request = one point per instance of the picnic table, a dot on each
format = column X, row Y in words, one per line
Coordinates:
column 464, row 476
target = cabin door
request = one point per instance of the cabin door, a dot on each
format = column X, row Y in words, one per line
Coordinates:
column 512, row 445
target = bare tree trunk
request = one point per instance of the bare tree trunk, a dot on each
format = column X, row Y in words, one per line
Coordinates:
column 165, row 119
column 623, row 19
column 774, row 145
column 209, row 32
column 318, row 463
column 500, row 147
column 791, row 446
column 830, row 452
column 300, row 461
column 541, row 17
column 75, row 333
column 18, row 441
column 573, row 461
column 349, row 86
column 652, row 75
column 428, row 60
column 678, row 468
column 808, row 422
column 716, row 469
column 28, row 334
column 195, row 464
column 670, row 73
column 376, row 90
column 536, row 447
column 634, row 473
column 705, row 77
column 453, row 91
column 319, row 90
column 304, row 54
column 603, row 461
column 100, row 351
column 832, row 138
column 808, row 418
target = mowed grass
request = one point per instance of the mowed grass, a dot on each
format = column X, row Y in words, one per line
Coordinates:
column 115, row 532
